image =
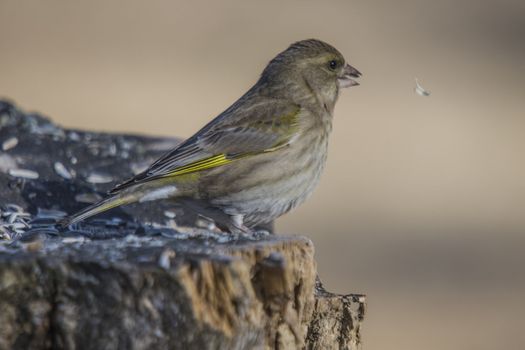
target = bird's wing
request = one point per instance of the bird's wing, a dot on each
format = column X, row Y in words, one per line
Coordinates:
column 242, row 130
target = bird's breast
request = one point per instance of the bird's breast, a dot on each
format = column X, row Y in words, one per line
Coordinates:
column 265, row 186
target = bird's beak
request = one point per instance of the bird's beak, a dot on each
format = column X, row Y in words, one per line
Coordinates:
column 345, row 80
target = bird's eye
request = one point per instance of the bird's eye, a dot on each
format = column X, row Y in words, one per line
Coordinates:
column 332, row 64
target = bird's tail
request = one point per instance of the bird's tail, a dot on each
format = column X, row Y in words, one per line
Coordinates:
column 99, row 207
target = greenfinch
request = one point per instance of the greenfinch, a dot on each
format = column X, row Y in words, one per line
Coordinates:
column 258, row 159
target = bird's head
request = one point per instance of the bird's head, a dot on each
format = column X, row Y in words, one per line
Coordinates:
column 310, row 71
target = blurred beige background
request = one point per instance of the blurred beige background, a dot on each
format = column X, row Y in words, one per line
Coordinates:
column 422, row 205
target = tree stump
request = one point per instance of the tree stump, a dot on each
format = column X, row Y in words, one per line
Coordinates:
column 147, row 276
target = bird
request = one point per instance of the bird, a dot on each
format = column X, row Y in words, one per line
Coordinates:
column 261, row 157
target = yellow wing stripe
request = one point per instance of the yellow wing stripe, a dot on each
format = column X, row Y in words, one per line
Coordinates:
column 215, row 161
column 290, row 123
column 206, row 163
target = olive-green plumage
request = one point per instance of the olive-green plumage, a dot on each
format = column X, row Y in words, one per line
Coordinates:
column 262, row 156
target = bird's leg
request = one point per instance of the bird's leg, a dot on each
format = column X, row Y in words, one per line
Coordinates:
column 232, row 223
column 229, row 223
column 236, row 225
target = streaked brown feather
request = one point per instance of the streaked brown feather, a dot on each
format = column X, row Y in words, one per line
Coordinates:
column 252, row 127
